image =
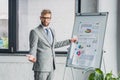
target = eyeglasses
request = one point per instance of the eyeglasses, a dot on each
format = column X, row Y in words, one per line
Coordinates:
column 46, row 17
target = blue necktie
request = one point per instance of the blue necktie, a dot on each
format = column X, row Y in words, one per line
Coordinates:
column 49, row 35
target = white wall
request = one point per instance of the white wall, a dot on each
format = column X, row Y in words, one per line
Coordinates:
column 19, row 68
column 110, row 42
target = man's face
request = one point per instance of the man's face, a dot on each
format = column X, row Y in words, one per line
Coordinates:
column 45, row 19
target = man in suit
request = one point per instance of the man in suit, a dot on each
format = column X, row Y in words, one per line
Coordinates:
column 42, row 44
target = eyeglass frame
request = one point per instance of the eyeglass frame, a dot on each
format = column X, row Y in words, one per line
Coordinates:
column 46, row 17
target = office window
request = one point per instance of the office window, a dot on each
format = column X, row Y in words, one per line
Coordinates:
column 4, row 24
column 28, row 18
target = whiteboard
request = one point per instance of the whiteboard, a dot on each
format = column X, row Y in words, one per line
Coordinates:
column 89, row 28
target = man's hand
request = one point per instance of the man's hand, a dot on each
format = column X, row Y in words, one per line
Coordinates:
column 31, row 58
column 74, row 39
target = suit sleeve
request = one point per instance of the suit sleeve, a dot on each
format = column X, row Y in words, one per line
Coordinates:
column 62, row 43
column 33, row 40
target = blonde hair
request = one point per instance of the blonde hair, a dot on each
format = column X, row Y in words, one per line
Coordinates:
column 46, row 11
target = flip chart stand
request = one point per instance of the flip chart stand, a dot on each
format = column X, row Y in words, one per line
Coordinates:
column 87, row 53
column 85, row 71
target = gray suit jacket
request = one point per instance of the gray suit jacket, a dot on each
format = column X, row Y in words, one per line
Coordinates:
column 43, row 50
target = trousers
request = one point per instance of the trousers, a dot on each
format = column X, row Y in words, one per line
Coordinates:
column 39, row 75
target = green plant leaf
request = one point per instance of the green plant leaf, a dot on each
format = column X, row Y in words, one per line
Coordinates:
column 96, row 75
column 108, row 76
column 114, row 79
column 98, row 71
column 99, row 74
column 91, row 76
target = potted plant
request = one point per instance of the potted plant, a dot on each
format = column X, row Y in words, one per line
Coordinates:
column 98, row 74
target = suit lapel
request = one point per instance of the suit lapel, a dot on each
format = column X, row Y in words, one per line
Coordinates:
column 53, row 34
column 43, row 33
